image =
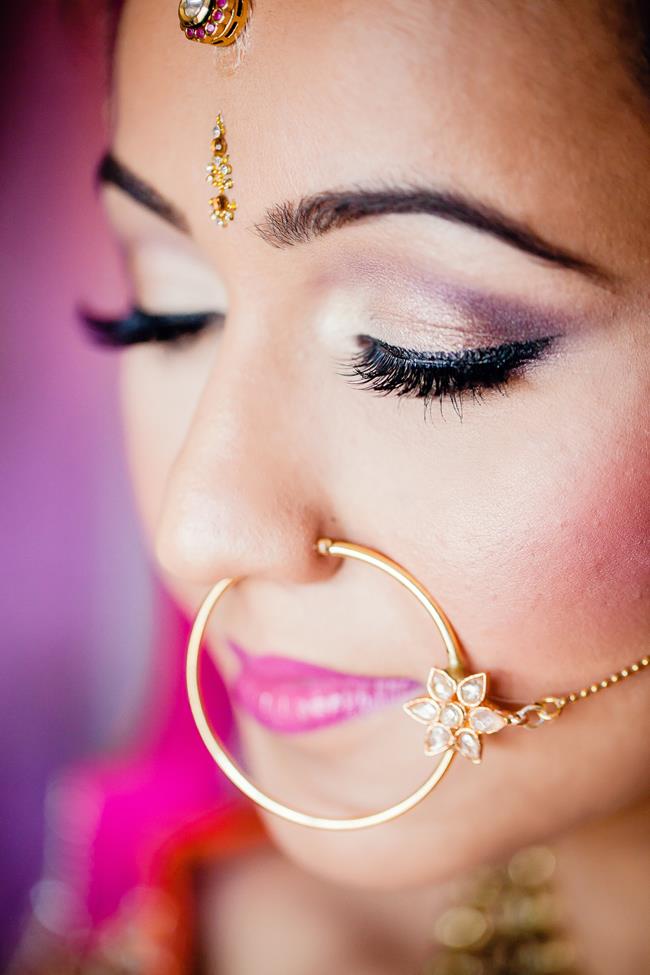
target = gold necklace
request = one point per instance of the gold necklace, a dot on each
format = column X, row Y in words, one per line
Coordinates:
column 508, row 923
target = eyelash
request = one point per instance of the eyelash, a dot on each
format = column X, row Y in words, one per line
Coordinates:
column 439, row 375
column 140, row 326
column 382, row 367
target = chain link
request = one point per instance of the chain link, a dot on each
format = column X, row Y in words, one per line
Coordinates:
column 532, row 715
column 607, row 681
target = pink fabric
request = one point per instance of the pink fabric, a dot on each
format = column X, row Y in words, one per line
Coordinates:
column 108, row 820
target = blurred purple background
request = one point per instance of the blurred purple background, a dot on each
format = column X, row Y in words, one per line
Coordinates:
column 77, row 594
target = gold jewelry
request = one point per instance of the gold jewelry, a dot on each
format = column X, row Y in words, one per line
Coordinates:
column 222, row 210
column 455, row 711
column 508, row 921
column 213, row 21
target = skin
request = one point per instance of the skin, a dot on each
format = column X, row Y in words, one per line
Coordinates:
column 527, row 518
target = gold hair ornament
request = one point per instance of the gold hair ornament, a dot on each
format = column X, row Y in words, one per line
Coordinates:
column 222, row 209
column 455, row 710
column 213, row 21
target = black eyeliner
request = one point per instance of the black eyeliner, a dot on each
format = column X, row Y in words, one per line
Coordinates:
column 427, row 375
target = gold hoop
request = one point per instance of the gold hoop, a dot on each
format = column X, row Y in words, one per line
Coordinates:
column 229, row 767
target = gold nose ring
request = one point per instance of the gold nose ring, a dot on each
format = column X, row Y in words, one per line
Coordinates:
column 455, row 711
column 227, row 764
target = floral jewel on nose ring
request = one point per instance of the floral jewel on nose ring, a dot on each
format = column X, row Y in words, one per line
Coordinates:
column 213, row 21
column 455, row 714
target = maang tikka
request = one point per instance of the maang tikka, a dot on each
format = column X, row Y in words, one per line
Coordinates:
column 216, row 22
column 455, row 711
column 213, row 21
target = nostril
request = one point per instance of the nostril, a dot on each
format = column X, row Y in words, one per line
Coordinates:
column 199, row 542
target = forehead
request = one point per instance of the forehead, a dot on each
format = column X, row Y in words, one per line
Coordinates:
column 522, row 105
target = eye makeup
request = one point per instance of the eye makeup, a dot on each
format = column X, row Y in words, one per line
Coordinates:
column 382, row 367
column 426, row 308
column 140, row 326
column 457, row 318
column 427, row 376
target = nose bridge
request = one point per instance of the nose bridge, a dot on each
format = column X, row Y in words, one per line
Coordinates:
column 239, row 498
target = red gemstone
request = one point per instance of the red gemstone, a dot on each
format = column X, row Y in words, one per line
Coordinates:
column 217, row 15
column 221, row 3
column 200, row 32
column 189, row 32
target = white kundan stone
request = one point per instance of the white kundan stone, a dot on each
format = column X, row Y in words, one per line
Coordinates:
column 423, row 709
column 441, row 685
column 469, row 745
column 452, row 716
column 192, row 7
column 437, row 739
column 486, row 721
column 471, row 690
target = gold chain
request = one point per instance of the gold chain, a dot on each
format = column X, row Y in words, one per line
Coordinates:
column 532, row 715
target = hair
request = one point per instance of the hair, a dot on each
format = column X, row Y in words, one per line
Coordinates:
column 635, row 23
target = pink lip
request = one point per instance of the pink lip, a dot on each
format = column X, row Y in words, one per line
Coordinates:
column 290, row 696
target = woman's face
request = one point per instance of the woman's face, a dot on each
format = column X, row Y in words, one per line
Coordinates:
column 521, row 507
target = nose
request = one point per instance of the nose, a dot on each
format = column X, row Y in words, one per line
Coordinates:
column 244, row 496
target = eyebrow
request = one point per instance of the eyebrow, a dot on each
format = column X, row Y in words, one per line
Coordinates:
column 288, row 224
column 110, row 171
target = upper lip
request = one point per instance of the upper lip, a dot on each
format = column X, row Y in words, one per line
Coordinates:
column 290, row 695
column 274, row 666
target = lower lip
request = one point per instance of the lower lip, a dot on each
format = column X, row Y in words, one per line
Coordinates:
column 291, row 697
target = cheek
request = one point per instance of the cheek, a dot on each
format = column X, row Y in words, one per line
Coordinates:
column 159, row 391
column 590, row 556
column 575, row 580
column 530, row 526
column 568, row 584
column 147, row 450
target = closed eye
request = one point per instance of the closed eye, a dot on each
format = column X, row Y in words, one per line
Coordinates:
column 378, row 365
column 141, row 326
column 435, row 375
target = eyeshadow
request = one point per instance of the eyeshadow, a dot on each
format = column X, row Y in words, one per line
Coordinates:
column 507, row 318
column 422, row 302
